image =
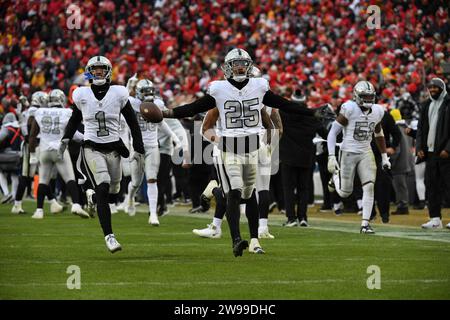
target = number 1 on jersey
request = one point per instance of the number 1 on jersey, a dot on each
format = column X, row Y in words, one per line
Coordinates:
column 102, row 130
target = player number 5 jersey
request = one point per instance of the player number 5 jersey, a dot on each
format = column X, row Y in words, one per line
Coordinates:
column 101, row 118
column 52, row 123
column 240, row 110
column 357, row 135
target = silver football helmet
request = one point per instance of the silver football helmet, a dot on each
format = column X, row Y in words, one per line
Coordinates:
column 145, row 90
column 39, row 99
column 238, row 65
column 56, row 98
column 93, row 76
column 364, row 94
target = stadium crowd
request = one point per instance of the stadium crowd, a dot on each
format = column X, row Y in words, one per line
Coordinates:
column 314, row 49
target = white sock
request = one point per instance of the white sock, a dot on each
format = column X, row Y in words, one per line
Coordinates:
column 242, row 208
column 263, row 223
column 437, row 219
column 18, row 203
column 152, row 194
column 39, row 210
column 4, row 183
column 14, row 184
column 367, row 202
column 217, row 222
column 54, row 201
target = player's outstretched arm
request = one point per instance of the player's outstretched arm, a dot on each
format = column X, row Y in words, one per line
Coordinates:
column 130, row 117
column 278, row 102
column 203, row 104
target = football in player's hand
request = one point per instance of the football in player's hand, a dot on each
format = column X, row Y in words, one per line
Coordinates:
column 151, row 112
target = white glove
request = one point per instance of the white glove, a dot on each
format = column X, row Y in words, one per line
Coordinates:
column 332, row 164
column 33, row 158
column 62, row 147
column 385, row 163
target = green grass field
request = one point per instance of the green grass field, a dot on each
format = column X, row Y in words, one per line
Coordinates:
column 329, row 260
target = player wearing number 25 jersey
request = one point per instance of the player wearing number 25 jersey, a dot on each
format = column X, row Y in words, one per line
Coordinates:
column 239, row 99
column 359, row 119
column 100, row 106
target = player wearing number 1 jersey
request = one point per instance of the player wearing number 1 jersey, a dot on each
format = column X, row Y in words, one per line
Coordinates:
column 239, row 100
column 359, row 119
column 101, row 106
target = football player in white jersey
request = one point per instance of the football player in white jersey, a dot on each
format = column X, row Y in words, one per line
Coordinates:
column 359, row 119
column 214, row 229
column 39, row 99
column 101, row 106
column 50, row 123
column 239, row 100
column 145, row 91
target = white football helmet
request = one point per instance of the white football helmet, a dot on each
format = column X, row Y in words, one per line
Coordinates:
column 237, row 65
column 145, row 90
column 364, row 94
column 56, row 98
column 39, row 99
column 105, row 64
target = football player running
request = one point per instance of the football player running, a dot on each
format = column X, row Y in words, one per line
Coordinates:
column 239, row 100
column 359, row 119
column 145, row 91
column 50, row 123
column 101, row 106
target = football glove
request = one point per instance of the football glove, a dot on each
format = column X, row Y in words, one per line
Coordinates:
column 386, row 164
column 33, row 158
column 332, row 164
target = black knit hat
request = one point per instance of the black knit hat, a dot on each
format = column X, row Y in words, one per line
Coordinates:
column 437, row 82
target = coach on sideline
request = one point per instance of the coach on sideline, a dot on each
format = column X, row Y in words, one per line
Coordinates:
column 433, row 146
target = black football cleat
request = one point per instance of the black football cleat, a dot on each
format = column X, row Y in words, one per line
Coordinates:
column 239, row 246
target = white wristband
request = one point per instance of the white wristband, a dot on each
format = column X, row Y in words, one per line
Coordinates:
column 384, row 157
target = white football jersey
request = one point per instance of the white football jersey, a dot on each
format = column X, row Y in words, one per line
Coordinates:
column 101, row 118
column 149, row 130
column 240, row 110
column 52, row 124
column 357, row 135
